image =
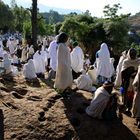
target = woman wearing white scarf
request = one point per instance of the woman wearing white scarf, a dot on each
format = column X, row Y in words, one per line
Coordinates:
column 104, row 69
column 29, row 70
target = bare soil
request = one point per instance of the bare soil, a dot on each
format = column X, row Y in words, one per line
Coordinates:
column 35, row 111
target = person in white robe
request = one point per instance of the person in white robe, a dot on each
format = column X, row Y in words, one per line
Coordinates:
column 10, row 45
column 63, row 79
column 1, row 51
column 128, row 72
column 30, row 52
column 103, row 66
column 118, row 80
column 7, row 64
column 100, row 101
column 39, row 62
column 24, row 54
column 53, row 58
column 77, row 59
column 29, row 70
column 84, row 82
column 136, row 100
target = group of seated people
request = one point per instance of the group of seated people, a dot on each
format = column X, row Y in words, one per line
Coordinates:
column 68, row 65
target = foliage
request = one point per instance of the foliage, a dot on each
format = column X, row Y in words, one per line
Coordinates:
column 20, row 16
column 52, row 17
column 27, row 29
column 6, row 16
column 137, row 47
column 116, row 28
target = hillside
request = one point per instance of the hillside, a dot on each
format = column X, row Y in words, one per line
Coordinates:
column 134, row 21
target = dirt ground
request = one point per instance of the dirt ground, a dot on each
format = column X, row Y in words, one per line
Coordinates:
column 35, row 111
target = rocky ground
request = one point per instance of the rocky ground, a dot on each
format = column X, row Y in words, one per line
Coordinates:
column 35, row 111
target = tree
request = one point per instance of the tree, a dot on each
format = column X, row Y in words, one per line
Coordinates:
column 116, row 28
column 34, row 22
column 6, row 17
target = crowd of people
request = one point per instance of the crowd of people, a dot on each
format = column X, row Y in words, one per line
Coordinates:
column 67, row 64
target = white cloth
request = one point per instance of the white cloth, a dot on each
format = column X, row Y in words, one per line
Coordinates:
column 77, row 59
column 30, row 51
column 84, row 82
column 53, row 54
column 24, row 54
column 63, row 78
column 1, row 51
column 136, row 100
column 93, row 75
column 103, row 65
column 29, row 70
column 39, row 62
column 10, row 45
column 7, row 63
column 118, row 80
column 15, row 60
column 98, row 103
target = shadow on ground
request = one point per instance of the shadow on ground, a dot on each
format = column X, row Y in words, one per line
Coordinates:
column 87, row 128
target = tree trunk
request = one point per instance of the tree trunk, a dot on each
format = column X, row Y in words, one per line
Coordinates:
column 34, row 23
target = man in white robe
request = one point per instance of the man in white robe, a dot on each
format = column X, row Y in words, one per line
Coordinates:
column 29, row 70
column 100, row 101
column 77, row 59
column 53, row 58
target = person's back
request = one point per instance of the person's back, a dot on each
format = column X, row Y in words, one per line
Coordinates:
column 84, row 82
column 29, row 70
column 100, row 100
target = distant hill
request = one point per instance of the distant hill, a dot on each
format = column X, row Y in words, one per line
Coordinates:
column 134, row 22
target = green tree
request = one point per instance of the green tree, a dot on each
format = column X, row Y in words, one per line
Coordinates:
column 116, row 28
column 6, row 17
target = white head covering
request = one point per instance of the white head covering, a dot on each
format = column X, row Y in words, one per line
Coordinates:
column 104, row 52
column 104, row 66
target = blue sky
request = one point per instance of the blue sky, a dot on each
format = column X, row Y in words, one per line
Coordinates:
column 94, row 6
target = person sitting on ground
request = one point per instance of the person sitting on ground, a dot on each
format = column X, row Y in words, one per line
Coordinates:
column 29, row 70
column 77, row 60
column 7, row 64
column 84, row 82
column 39, row 62
column 100, row 101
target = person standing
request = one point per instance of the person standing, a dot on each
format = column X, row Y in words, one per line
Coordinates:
column 136, row 100
column 103, row 64
column 53, row 57
column 63, row 78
